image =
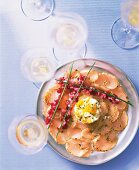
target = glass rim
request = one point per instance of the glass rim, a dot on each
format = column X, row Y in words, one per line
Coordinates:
column 28, row 56
column 50, row 13
column 14, row 141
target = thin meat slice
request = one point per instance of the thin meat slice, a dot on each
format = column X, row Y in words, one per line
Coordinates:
column 51, row 95
column 86, row 133
column 74, row 76
column 104, row 108
column 46, row 108
column 62, row 137
column 104, row 125
column 63, row 102
column 121, row 123
column 93, row 75
column 106, row 142
column 79, row 147
column 107, row 81
column 53, row 131
column 49, row 98
column 64, row 134
column 119, row 91
column 74, row 132
column 68, row 133
column 56, row 122
column 88, row 153
column 100, row 87
column 80, row 125
column 113, row 112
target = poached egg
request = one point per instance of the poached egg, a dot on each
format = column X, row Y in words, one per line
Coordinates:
column 87, row 110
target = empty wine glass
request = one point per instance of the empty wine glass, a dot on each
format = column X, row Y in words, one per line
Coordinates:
column 37, row 10
column 28, row 134
column 125, row 31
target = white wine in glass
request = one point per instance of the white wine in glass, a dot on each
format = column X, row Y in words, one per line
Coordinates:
column 28, row 134
column 125, row 31
column 69, row 37
column 38, row 65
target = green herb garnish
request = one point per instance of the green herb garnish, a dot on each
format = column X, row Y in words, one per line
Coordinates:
column 66, row 83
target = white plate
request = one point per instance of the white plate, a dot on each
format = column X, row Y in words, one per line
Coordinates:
column 125, row 137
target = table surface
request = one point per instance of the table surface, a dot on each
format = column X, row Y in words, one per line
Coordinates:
column 18, row 96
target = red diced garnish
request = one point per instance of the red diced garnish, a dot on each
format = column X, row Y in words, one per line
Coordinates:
column 47, row 120
column 59, row 90
column 64, row 125
column 103, row 96
column 116, row 101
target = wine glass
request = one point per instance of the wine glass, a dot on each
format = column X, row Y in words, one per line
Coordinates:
column 69, row 37
column 125, row 31
column 38, row 65
column 28, row 134
column 37, row 10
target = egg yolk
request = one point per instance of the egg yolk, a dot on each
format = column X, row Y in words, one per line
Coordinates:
column 87, row 110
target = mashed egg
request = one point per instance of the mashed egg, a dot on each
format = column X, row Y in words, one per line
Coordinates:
column 87, row 110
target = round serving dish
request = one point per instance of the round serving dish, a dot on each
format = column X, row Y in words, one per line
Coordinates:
column 125, row 137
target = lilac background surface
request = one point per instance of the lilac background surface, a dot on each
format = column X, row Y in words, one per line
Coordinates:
column 18, row 96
